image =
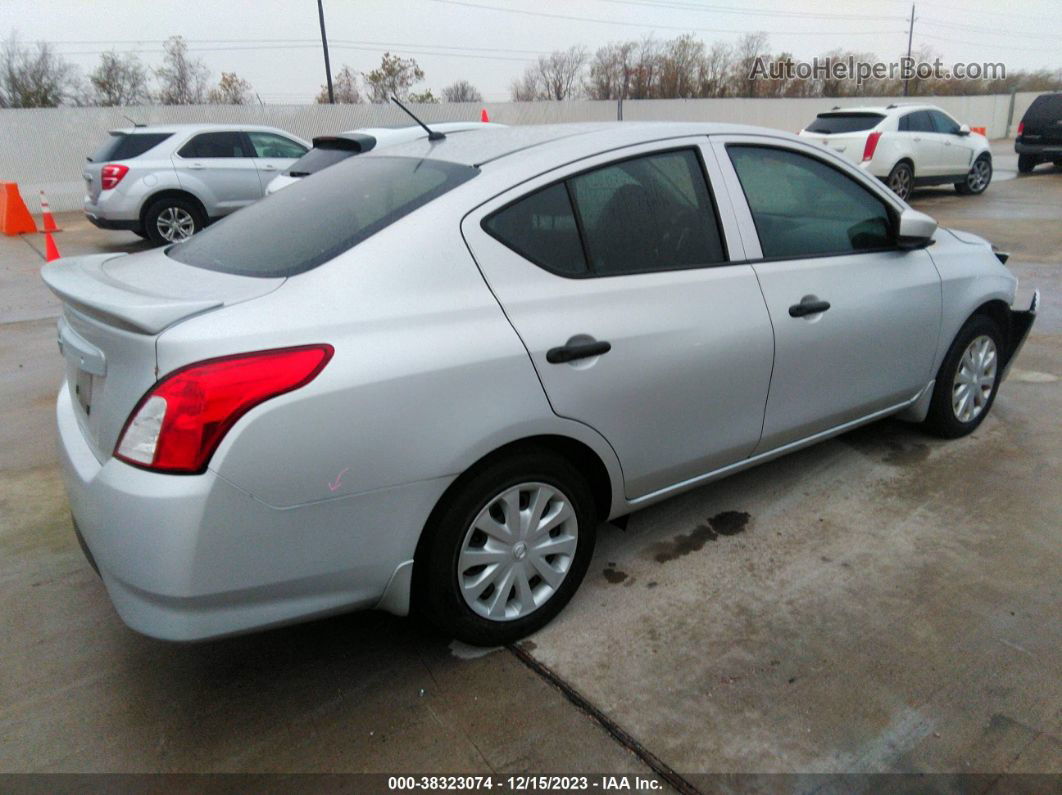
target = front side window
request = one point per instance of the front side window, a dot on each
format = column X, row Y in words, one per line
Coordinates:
column 944, row 123
column 214, row 144
column 803, row 207
column 272, row 145
column 648, row 213
column 311, row 222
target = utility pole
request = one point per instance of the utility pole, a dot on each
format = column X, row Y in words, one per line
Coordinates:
column 324, row 44
column 910, row 35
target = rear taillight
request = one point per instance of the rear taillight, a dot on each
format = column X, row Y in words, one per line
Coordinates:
column 111, row 174
column 1021, row 128
column 871, row 145
column 179, row 424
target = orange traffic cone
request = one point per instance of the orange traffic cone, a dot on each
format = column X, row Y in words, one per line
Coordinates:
column 46, row 214
column 15, row 218
column 483, row 117
column 51, row 251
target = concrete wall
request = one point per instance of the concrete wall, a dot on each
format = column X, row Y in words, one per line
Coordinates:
column 44, row 148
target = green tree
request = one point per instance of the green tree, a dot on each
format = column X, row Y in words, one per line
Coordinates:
column 394, row 77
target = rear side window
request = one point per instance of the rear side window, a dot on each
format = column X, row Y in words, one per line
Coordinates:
column 832, row 123
column 803, row 207
column 215, row 144
column 317, row 159
column 126, row 146
column 918, row 121
column 649, row 213
column 1044, row 107
column 314, row 221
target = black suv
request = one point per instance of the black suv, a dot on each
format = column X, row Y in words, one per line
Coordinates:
column 1040, row 133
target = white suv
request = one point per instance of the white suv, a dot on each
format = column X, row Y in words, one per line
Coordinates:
column 166, row 182
column 907, row 146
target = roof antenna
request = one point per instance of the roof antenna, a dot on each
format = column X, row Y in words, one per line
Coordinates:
column 432, row 134
column 134, row 123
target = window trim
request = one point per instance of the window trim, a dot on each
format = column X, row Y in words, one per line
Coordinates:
column 590, row 274
column 245, row 142
column 890, row 209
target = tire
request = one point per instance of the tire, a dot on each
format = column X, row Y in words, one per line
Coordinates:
column 1027, row 163
column 901, row 180
column 978, row 179
column 141, row 233
column 171, row 220
column 440, row 570
column 950, row 416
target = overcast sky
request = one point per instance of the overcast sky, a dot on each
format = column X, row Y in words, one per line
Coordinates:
column 275, row 44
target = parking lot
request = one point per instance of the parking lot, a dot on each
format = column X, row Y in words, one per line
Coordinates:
column 881, row 602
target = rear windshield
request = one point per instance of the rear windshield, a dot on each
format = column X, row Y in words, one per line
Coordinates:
column 1046, row 106
column 309, row 223
column 317, row 159
column 125, row 146
column 832, row 123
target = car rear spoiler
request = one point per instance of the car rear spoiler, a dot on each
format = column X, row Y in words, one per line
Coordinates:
column 351, row 142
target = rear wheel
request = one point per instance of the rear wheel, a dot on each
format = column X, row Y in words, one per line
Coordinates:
column 968, row 379
column 172, row 220
column 1027, row 163
column 901, row 180
column 508, row 549
column 978, row 178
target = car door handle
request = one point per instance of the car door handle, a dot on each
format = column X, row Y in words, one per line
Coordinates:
column 571, row 353
column 268, row 167
column 808, row 308
column 917, row 139
column 196, row 166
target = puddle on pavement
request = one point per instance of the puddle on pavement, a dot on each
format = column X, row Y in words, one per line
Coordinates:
column 727, row 523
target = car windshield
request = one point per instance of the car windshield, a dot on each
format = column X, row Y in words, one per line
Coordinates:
column 833, row 123
column 317, row 219
column 317, row 159
column 124, row 146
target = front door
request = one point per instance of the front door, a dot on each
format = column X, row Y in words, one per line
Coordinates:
column 856, row 319
column 616, row 274
column 273, row 154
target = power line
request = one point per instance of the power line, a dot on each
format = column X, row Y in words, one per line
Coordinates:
column 748, row 11
column 686, row 29
column 992, row 31
column 1000, row 46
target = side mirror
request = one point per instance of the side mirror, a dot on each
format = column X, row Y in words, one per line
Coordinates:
column 964, row 130
column 915, row 229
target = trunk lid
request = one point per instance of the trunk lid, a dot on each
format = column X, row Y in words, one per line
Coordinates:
column 114, row 308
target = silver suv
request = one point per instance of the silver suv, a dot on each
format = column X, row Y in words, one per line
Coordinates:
column 166, row 182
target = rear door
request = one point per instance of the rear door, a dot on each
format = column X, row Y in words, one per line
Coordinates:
column 926, row 146
column 856, row 320
column 273, row 154
column 219, row 168
column 624, row 277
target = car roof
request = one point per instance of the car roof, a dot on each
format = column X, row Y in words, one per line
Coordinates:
column 885, row 110
column 479, row 148
column 176, row 128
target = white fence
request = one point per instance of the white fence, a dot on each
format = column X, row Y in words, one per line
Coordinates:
column 44, row 148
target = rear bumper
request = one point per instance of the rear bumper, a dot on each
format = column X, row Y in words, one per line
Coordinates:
column 1021, row 323
column 1043, row 150
column 193, row 557
column 108, row 223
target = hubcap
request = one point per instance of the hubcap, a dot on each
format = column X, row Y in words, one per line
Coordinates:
column 900, row 182
column 974, row 379
column 980, row 175
column 175, row 224
column 517, row 552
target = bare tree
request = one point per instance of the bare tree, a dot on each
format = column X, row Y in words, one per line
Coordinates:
column 680, row 67
column 749, row 47
column 559, row 73
column 119, row 80
column 525, row 88
column 182, row 80
column 424, row 97
column 714, row 70
column 462, row 91
column 345, row 88
column 394, row 77
column 230, row 90
column 34, row 77
column 612, row 70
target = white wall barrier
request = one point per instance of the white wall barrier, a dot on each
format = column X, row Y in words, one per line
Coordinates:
column 45, row 148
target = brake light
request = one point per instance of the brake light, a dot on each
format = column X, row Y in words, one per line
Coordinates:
column 871, row 145
column 111, row 174
column 1021, row 128
column 179, row 423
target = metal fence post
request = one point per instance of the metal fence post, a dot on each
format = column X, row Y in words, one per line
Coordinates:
column 619, row 109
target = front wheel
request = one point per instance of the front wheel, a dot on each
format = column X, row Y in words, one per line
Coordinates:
column 1027, row 163
column 968, row 379
column 978, row 178
column 507, row 550
column 901, row 180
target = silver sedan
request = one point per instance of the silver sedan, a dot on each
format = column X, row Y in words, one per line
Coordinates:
column 420, row 379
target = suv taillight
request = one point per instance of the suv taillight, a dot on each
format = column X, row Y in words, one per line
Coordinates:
column 1021, row 128
column 111, row 174
column 179, row 423
column 871, row 145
